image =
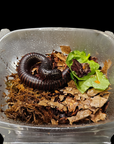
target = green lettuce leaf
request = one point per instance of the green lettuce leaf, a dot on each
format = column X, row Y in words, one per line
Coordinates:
column 82, row 58
column 94, row 79
column 98, row 81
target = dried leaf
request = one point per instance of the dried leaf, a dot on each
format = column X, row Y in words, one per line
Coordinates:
column 84, row 95
column 70, row 103
column 54, row 122
column 85, row 104
column 53, row 99
column 70, row 90
column 93, row 109
column 61, row 63
column 52, row 104
column 60, row 56
column 87, row 101
column 106, row 96
column 71, row 84
column 61, row 68
column 76, row 97
column 93, row 92
column 106, row 66
column 61, row 97
column 98, row 116
column 98, row 101
column 65, row 49
column 43, row 103
column 80, row 115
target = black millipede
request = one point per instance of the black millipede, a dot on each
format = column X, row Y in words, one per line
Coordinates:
column 48, row 79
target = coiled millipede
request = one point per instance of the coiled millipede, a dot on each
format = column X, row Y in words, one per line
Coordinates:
column 49, row 78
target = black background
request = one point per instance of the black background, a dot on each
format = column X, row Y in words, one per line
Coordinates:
column 90, row 15
column 36, row 21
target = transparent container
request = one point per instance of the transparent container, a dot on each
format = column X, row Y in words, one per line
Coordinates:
column 17, row 43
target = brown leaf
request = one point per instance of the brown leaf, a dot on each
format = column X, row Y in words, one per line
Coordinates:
column 70, row 90
column 84, row 95
column 87, row 101
column 70, row 103
column 83, row 106
column 93, row 92
column 98, row 116
column 71, row 83
column 106, row 66
column 61, row 68
column 54, row 122
column 86, row 105
column 61, row 97
column 80, row 115
column 61, row 63
column 52, row 104
column 93, row 109
column 76, row 97
column 65, row 49
column 60, row 56
column 98, row 101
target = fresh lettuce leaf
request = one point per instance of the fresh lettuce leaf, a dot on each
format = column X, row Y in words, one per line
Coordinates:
column 104, row 82
column 81, row 86
column 82, row 58
column 98, row 81
column 78, row 55
column 94, row 79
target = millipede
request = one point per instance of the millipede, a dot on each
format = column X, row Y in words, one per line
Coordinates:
column 48, row 79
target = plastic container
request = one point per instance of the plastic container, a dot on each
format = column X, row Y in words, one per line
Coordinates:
column 17, row 43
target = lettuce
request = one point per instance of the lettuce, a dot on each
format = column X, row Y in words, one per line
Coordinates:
column 81, row 58
column 98, row 81
column 94, row 79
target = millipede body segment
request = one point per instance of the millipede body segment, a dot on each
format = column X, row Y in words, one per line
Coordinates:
column 48, row 79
